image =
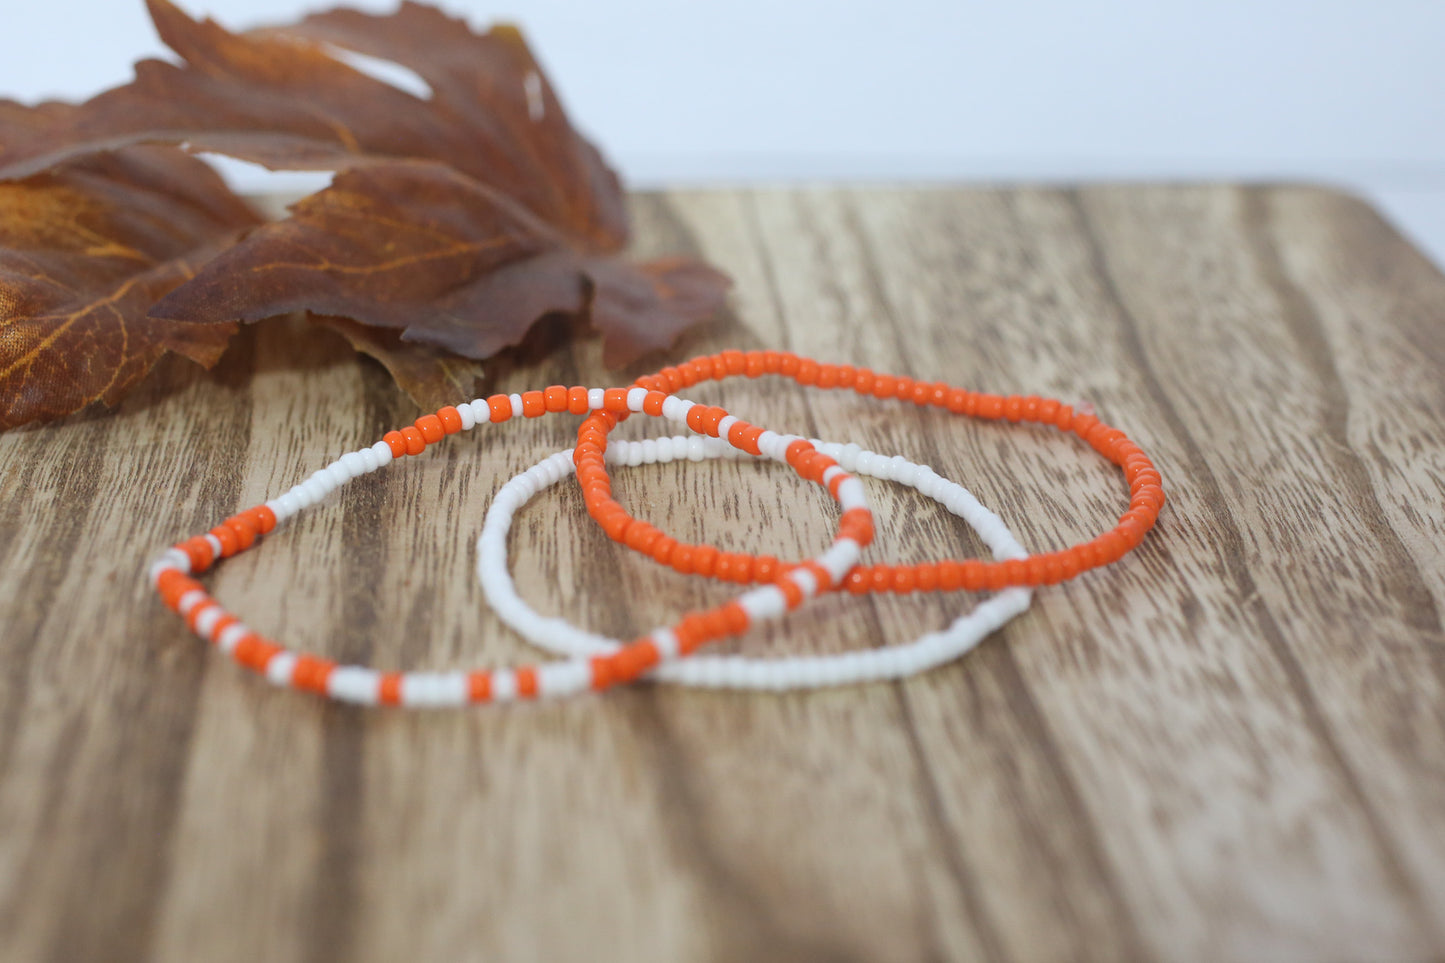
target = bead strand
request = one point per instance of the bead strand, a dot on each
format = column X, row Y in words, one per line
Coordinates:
column 737, row 672
column 1145, row 485
column 172, row 576
column 784, row 585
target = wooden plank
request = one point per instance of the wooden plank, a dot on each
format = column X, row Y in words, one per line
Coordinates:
column 1229, row 746
column 1028, row 258
column 1335, row 589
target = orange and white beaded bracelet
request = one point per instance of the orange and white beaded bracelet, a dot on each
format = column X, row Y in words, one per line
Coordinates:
column 1146, row 493
column 172, row 572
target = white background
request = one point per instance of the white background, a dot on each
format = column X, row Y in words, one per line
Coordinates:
column 1345, row 93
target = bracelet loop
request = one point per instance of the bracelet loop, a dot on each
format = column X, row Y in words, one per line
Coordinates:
column 1146, row 493
column 739, row 672
column 171, row 575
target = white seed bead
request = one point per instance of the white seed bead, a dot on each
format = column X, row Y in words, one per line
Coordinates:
column 804, row 580
column 189, row 601
column 765, row 442
column 838, row 559
column 504, row 685
column 563, row 678
column 764, row 604
column 561, row 467
column 157, row 569
column 665, row 640
column 383, row 453
column 434, row 690
column 635, row 397
column 851, row 494
column 279, row 669
column 215, row 544
column 675, row 409
column 170, row 559
column 230, row 635
column 206, row 621
column 316, row 489
column 481, row 411
column 516, row 401
column 595, row 398
column 302, row 496
column 468, row 416
column 353, row 683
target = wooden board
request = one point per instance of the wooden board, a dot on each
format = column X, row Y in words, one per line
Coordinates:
column 1230, row 746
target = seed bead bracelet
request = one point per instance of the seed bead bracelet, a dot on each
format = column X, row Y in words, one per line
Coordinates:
column 1146, row 493
column 171, row 573
column 738, row 672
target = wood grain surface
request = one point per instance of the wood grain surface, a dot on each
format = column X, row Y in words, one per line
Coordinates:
column 1229, row 746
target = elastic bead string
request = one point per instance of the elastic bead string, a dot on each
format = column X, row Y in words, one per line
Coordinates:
column 796, row 672
column 788, row 585
column 1146, row 493
column 171, row 573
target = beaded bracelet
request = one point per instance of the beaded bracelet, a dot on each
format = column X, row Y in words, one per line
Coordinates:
column 738, row 672
column 207, row 619
column 1146, row 494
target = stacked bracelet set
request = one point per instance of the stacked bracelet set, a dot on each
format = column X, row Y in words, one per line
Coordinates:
column 590, row 661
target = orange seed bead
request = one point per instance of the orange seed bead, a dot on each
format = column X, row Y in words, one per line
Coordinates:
column 415, row 442
column 450, row 418
column 431, row 429
column 577, row 401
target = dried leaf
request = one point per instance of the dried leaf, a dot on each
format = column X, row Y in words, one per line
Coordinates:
column 458, row 220
column 382, row 245
column 431, row 377
column 277, row 97
column 491, row 84
column 418, row 247
column 84, row 251
column 645, row 307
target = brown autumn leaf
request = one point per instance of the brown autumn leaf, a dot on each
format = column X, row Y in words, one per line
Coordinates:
column 277, row 97
column 458, row 220
column 431, row 376
column 644, row 307
column 85, row 250
column 418, row 247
